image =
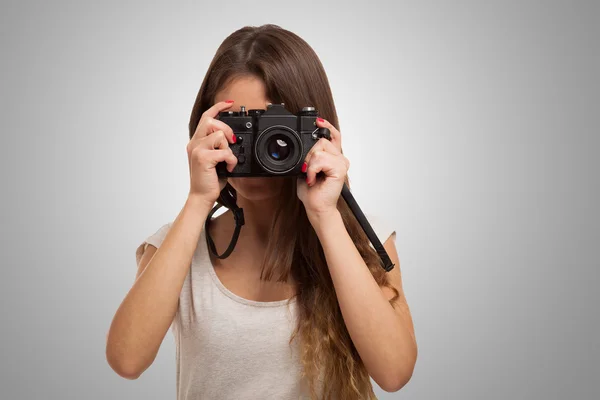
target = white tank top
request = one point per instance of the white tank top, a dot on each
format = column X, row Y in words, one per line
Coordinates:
column 229, row 347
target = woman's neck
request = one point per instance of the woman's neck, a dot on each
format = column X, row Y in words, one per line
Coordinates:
column 258, row 216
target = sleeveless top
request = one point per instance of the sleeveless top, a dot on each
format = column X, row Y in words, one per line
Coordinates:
column 229, row 347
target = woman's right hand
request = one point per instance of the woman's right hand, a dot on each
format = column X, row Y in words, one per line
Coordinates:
column 209, row 146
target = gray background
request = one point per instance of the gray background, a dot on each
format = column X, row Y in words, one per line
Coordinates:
column 474, row 126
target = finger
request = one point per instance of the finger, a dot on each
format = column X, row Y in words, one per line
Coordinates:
column 215, row 140
column 213, row 124
column 336, row 136
column 322, row 145
column 216, row 108
column 222, row 155
column 212, row 112
column 328, row 163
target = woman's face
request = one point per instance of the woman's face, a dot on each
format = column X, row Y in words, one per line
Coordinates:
column 250, row 93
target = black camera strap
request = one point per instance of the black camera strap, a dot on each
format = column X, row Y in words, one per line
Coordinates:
column 367, row 228
column 228, row 198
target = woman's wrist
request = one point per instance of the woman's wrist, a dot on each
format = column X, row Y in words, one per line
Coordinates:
column 321, row 220
column 198, row 206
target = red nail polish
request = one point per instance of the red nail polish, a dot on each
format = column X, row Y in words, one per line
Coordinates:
column 304, row 166
column 320, row 119
column 234, row 139
column 228, row 101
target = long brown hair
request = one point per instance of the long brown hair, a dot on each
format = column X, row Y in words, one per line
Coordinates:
column 293, row 74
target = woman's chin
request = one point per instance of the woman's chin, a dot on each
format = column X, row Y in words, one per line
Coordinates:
column 257, row 188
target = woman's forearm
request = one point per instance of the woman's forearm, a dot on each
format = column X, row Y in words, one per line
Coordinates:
column 382, row 339
column 145, row 315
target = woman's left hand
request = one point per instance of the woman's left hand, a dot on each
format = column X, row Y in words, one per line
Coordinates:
column 320, row 195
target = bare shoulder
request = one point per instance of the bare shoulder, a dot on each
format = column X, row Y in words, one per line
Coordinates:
column 145, row 253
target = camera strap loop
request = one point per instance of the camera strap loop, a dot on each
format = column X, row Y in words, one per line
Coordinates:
column 228, row 199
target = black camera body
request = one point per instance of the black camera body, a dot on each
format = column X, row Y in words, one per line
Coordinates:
column 271, row 142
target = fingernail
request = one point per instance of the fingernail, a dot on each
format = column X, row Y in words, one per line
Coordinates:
column 307, row 180
column 320, row 119
column 228, row 101
column 234, row 139
column 304, row 167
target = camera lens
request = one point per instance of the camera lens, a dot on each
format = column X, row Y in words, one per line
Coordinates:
column 278, row 148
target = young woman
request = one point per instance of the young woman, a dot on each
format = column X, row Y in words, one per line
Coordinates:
column 302, row 307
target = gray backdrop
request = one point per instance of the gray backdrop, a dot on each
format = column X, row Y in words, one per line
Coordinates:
column 472, row 125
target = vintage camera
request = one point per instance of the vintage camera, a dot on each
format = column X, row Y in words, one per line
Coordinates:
column 271, row 142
